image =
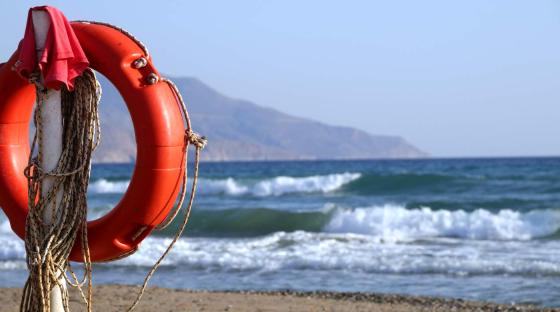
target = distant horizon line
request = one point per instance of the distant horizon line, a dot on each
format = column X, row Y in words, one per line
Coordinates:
column 428, row 158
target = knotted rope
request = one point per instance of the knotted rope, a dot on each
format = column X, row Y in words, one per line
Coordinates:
column 48, row 243
column 199, row 142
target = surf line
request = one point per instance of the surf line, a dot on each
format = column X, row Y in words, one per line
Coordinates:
column 44, row 193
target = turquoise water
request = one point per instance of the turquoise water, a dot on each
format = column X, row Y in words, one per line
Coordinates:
column 484, row 229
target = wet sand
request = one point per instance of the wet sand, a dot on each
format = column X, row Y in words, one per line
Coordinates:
column 117, row 298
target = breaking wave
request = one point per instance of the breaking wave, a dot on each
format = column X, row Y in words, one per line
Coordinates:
column 303, row 251
column 370, row 239
column 397, row 223
column 267, row 187
column 389, row 223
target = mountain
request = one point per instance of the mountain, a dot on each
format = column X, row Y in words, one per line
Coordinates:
column 241, row 130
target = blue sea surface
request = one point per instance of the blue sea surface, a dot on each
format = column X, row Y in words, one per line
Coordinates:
column 483, row 229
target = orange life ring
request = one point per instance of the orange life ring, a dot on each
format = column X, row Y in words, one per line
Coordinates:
column 160, row 138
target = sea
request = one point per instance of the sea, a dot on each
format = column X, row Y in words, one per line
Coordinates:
column 480, row 229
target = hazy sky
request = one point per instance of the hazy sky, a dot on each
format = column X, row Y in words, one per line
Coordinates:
column 455, row 78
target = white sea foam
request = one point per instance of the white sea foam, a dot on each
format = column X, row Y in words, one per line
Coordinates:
column 396, row 223
column 223, row 186
column 103, row 186
column 268, row 187
column 5, row 227
column 326, row 252
column 374, row 240
column 304, row 251
column 11, row 246
column 351, row 252
column 281, row 185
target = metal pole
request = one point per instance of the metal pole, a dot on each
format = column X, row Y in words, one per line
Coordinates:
column 52, row 139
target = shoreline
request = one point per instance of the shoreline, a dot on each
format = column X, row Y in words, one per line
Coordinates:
column 118, row 297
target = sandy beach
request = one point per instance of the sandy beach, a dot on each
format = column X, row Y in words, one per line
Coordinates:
column 117, row 298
